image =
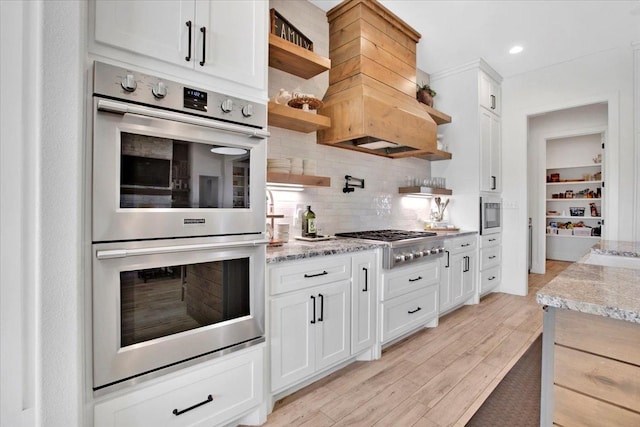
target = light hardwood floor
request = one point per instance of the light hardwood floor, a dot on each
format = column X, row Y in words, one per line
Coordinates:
column 436, row 377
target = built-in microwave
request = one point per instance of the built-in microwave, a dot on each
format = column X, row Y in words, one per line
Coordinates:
column 490, row 215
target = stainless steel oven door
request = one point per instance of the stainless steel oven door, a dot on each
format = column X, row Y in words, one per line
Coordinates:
column 161, row 174
column 490, row 215
column 159, row 303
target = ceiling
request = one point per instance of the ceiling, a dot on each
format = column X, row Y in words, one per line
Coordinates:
column 551, row 31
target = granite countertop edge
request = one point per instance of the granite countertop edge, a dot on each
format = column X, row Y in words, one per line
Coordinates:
column 299, row 249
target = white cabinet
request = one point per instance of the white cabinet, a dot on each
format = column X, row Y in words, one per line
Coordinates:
column 490, row 94
column 575, row 195
column 409, row 299
column 213, row 393
column 226, row 39
column 321, row 312
column 490, row 158
column 490, row 262
column 473, row 138
column 363, row 301
column 458, row 269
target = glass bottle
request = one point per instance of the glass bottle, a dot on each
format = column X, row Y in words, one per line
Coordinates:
column 309, row 223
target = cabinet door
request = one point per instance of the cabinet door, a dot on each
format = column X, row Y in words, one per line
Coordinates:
column 490, row 179
column 292, row 338
column 363, row 302
column 235, row 42
column 157, row 29
column 333, row 321
column 458, row 271
column 469, row 277
column 490, row 96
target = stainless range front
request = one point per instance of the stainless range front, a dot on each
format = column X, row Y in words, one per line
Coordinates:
column 402, row 247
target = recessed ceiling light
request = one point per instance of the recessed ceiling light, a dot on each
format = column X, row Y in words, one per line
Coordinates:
column 516, row 49
column 229, row 151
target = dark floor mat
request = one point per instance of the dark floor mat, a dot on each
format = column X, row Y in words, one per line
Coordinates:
column 516, row 400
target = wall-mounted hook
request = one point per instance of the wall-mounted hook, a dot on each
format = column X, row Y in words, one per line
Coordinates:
column 349, row 186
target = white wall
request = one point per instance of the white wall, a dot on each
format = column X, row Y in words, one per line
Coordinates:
column 376, row 206
column 41, row 150
column 603, row 77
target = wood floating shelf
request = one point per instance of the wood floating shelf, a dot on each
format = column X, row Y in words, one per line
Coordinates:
column 304, row 180
column 295, row 119
column 438, row 116
column 436, row 155
column 425, row 191
column 296, row 60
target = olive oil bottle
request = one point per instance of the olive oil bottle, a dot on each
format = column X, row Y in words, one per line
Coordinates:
column 309, row 223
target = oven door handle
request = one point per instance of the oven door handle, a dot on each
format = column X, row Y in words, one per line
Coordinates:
column 122, row 108
column 123, row 253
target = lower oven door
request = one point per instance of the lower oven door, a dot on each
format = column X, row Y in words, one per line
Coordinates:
column 159, row 303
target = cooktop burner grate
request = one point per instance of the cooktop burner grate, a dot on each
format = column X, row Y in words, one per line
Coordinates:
column 387, row 235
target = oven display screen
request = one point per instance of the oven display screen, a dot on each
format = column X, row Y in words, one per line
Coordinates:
column 195, row 99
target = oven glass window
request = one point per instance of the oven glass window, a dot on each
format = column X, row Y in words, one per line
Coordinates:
column 157, row 302
column 492, row 215
column 166, row 173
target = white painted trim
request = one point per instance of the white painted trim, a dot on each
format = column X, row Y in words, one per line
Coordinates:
column 636, row 166
column 476, row 64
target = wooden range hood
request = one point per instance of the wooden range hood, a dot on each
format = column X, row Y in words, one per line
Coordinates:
column 371, row 98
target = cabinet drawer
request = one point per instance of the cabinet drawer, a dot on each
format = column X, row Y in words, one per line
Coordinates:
column 403, row 280
column 235, row 386
column 489, row 240
column 402, row 314
column 460, row 244
column 490, row 257
column 490, row 279
column 304, row 274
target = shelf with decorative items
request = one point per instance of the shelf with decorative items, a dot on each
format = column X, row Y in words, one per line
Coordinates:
column 283, row 116
column 424, row 191
column 294, row 59
column 424, row 95
column 299, row 180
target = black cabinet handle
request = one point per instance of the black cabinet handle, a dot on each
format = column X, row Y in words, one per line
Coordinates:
column 204, row 402
column 203, row 30
column 313, row 318
column 414, row 311
column 492, row 257
column 447, row 266
column 464, row 245
column 366, row 279
column 188, row 57
column 321, row 318
column 493, row 182
column 493, row 102
column 324, row 273
column 465, row 268
column 492, row 240
column 492, row 277
column 416, row 279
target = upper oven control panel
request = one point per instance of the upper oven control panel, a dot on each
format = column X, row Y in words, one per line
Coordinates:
column 134, row 86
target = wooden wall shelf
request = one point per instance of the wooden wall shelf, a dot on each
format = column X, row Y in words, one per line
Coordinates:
column 295, row 119
column 438, row 116
column 294, row 59
column 425, row 191
column 305, row 180
column 436, row 155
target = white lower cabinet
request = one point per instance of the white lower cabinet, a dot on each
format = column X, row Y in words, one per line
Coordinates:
column 321, row 312
column 458, row 267
column 215, row 393
column 490, row 262
column 409, row 298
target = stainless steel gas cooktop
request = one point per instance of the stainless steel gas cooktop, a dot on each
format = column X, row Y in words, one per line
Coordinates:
column 402, row 247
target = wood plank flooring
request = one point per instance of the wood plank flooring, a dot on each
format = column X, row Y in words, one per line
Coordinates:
column 435, row 378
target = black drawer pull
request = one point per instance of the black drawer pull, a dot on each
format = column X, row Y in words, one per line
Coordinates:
column 321, row 318
column 447, row 266
column 313, row 319
column 203, row 30
column 464, row 245
column 492, row 240
column 414, row 311
column 188, row 57
column 492, row 257
column 416, row 279
column 324, row 273
column 204, row 402
column 366, row 279
column 492, row 277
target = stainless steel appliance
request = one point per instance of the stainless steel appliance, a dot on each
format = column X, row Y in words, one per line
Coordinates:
column 490, row 215
column 177, row 225
column 402, row 247
column 170, row 160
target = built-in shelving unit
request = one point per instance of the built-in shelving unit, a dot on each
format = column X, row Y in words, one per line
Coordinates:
column 303, row 180
column 574, row 180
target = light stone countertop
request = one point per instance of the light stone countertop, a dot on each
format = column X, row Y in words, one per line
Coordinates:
column 300, row 249
column 595, row 289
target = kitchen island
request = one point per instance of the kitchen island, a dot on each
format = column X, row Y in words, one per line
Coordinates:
column 591, row 340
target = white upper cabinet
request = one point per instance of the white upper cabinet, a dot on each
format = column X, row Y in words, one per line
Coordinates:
column 490, row 158
column 490, row 93
column 226, row 39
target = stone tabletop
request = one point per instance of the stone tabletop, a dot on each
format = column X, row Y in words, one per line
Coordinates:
column 594, row 289
column 617, row 248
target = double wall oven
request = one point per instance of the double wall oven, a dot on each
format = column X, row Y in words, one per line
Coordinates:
column 177, row 224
